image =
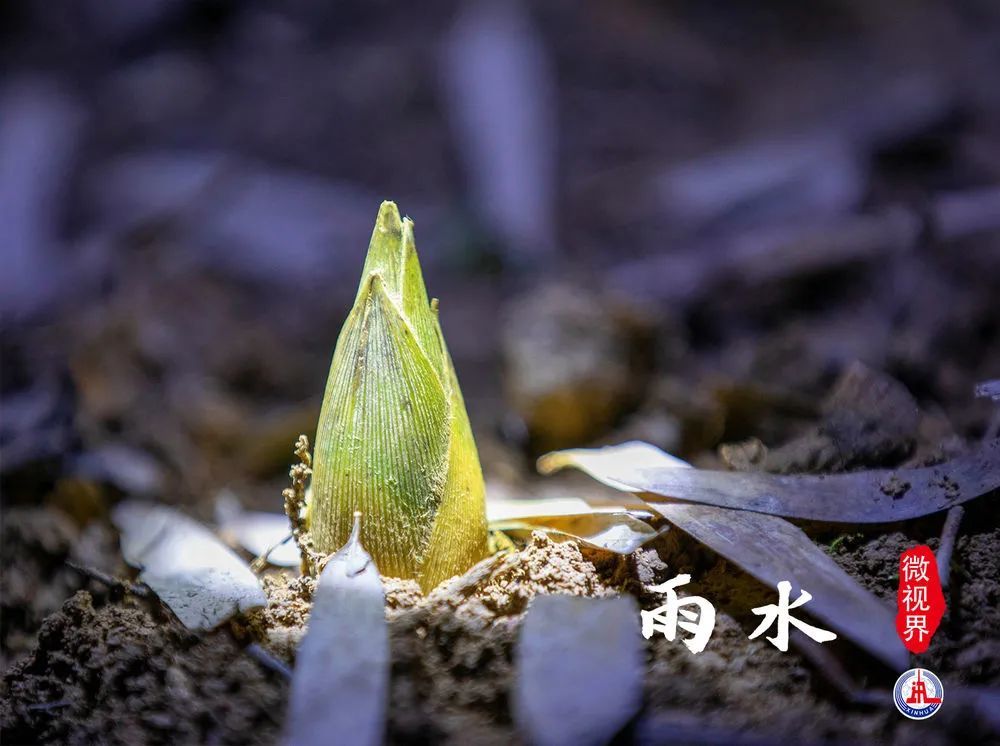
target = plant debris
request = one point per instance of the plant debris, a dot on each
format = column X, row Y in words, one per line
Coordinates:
column 202, row 581
column 875, row 496
column 619, row 532
column 614, row 529
column 766, row 546
column 579, row 665
column 341, row 677
column 265, row 535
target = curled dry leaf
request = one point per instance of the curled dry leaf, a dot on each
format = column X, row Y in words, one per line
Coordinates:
column 619, row 532
column 341, row 678
column 609, row 465
column 193, row 572
column 875, row 496
column 615, row 529
column 615, row 532
column 258, row 532
column 518, row 508
column 580, row 664
column 769, row 548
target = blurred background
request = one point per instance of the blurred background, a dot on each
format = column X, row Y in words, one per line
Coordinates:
column 680, row 222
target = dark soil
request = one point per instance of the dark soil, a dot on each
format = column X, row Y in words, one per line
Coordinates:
column 120, row 670
column 121, row 673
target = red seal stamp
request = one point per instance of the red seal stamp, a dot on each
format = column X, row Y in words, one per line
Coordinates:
column 920, row 600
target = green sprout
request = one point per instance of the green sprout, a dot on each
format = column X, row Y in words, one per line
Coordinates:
column 394, row 440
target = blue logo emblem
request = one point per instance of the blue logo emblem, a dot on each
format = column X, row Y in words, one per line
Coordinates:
column 918, row 694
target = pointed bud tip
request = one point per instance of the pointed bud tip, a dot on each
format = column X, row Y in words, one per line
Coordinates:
column 354, row 540
column 409, row 239
column 388, row 217
column 385, row 251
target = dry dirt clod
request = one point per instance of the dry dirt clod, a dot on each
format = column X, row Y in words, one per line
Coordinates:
column 544, row 566
column 895, row 487
column 745, row 455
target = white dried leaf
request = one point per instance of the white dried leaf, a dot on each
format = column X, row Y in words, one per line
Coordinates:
column 619, row 532
column 512, row 508
column 341, row 679
column 580, row 664
column 202, row 581
column 611, row 465
column 867, row 496
column 610, row 527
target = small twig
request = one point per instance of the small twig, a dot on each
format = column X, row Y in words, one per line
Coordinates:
column 257, row 566
column 949, row 533
column 479, row 573
column 136, row 589
column 948, row 536
column 268, row 660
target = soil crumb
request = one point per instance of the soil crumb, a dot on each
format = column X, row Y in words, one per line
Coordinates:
column 281, row 624
column 543, row 566
column 401, row 594
column 895, row 487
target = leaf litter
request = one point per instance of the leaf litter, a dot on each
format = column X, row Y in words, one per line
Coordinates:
column 872, row 496
column 790, row 554
column 767, row 547
column 612, row 528
column 263, row 534
column 201, row 579
column 341, row 678
column 580, row 664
